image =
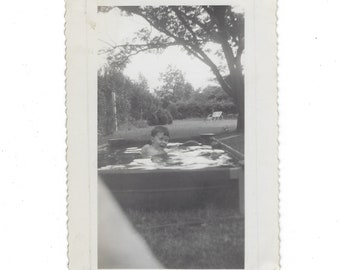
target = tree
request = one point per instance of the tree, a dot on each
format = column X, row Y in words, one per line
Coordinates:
column 174, row 87
column 193, row 28
column 109, row 81
column 200, row 104
column 141, row 100
column 133, row 100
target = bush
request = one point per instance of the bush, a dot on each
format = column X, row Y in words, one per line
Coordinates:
column 170, row 118
column 162, row 116
column 180, row 116
column 172, row 108
column 182, row 110
column 152, row 119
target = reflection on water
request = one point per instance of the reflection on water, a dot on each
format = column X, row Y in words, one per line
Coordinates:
column 178, row 157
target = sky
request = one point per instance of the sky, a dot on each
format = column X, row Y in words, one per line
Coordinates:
column 114, row 28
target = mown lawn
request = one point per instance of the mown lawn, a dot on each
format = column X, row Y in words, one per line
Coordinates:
column 200, row 238
column 179, row 129
column 197, row 238
column 235, row 140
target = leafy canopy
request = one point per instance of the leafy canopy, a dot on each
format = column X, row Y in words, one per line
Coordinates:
column 193, row 28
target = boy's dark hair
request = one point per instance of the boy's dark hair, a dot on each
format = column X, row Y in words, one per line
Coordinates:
column 160, row 129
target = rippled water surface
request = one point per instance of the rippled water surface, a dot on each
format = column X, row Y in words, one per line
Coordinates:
column 179, row 157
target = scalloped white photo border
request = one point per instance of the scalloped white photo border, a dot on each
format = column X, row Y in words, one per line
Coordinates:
column 261, row 130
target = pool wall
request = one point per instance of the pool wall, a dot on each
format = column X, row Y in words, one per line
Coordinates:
column 176, row 189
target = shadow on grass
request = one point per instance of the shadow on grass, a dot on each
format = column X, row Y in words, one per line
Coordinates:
column 198, row 238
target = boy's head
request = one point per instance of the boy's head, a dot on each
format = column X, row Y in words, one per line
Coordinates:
column 160, row 136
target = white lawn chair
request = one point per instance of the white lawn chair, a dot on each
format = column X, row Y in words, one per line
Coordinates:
column 216, row 116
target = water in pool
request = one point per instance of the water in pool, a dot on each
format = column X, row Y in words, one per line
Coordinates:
column 178, row 157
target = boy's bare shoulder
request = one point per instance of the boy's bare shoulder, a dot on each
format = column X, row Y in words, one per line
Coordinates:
column 146, row 149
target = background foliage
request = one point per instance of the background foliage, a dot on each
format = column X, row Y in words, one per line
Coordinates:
column 137, row 105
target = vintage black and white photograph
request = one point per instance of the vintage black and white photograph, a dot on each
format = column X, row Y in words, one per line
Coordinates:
column 170, row 123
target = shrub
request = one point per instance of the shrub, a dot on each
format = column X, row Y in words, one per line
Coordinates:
column 172, row 108
column 152, row 119
column 182, row 110
column 170, row 118
column 180, row 116
column 162, row 116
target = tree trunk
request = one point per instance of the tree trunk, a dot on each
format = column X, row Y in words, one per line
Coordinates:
column 237, row 82
column 241, row 113
column 234, row 64
column 240, row 102
column 108, row 113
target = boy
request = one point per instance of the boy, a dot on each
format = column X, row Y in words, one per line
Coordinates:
column 159, row 140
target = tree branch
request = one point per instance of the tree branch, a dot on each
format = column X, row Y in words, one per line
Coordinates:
column 239, row 53
column 209, row 31
column 185, row 23
column 126, row 58
column 195, row 54
column 176, row 38
column 218, row 14
column 142, row 45
column 191, row 48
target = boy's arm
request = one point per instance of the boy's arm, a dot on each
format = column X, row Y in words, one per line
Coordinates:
column 146, row 150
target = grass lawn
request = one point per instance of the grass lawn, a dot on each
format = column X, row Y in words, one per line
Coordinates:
column 235, row 140
column 197, row 238
column 187, row 129
column 200, row 238
column 179, row 129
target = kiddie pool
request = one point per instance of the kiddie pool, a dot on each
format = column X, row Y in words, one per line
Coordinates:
column 193, row 176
